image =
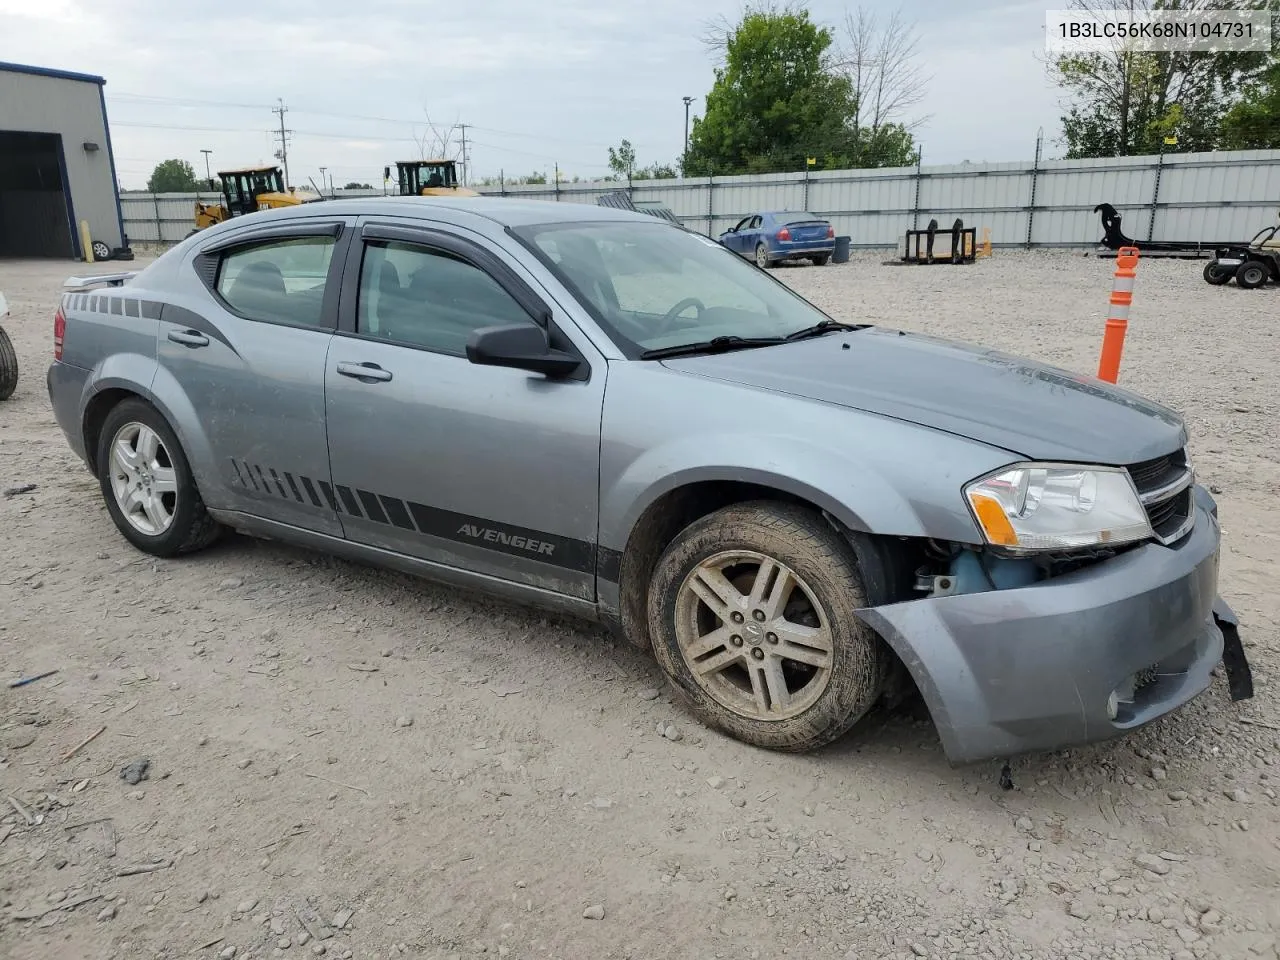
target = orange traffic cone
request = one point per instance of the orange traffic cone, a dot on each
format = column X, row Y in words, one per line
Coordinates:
column 1118, row 320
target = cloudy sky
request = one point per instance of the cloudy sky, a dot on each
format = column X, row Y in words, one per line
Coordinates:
column 367, row 82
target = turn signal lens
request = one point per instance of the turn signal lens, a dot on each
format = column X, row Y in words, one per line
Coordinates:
column 995, row 524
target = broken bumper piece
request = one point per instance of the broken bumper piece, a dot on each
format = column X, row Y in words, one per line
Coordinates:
column 1074, row 659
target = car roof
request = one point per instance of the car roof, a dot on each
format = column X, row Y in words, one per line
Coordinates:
column 506, row 212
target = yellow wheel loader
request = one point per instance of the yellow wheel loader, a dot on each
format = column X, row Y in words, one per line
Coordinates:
column 247, row 191
column 428, row 178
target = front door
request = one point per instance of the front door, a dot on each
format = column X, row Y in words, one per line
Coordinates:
column 733, row 239
column 486, row 469
column 246, row 355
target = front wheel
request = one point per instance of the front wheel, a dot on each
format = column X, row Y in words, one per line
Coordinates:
column 1251, row 274
column 1217, row 274
column 8, row 366
column 147, row 483
column 762, row 256
column 752, row 612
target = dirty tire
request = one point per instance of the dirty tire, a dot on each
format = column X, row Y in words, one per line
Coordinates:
column 192, row 528
column 101, row 251
column 803, row 541
column 8, row 366
column 1216, row 274
column 1251, row 274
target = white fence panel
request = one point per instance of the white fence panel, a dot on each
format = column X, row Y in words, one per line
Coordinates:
column 1202, row 196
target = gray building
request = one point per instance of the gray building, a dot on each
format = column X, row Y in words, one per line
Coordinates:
column 56, row 166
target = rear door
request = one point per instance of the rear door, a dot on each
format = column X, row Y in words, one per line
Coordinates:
column 245, row 353
column 485, row 469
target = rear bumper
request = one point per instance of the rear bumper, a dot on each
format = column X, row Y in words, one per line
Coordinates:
column 801, row 248
column 1034, row 668
column 66, row 384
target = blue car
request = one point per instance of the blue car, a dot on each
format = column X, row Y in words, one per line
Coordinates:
column 782, row 235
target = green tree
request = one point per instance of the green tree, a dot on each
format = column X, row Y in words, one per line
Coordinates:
column 174, row 176
column 353, row 185
column 783, row 93
column 622, row 160
column 1126, row 101
column 655, row 171
column 1254, row 122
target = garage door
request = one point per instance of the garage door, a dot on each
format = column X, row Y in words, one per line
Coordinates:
column 35, row 218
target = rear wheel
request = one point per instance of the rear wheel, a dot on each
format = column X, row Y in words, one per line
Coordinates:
column 821, row 259
column 8, row 366
column 1251, row 274
column 147, row 483
column 752, row 614
column 762, row 256
column 1217, row 274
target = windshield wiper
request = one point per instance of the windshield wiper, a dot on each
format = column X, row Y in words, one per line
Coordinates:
column 825, row 326
column 714, row 345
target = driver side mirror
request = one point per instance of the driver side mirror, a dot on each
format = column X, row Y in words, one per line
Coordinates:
column 524, row 346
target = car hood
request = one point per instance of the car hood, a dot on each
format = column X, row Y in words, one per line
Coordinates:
column 1030, row 409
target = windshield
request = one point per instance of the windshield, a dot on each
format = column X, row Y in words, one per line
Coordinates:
column 652, row 285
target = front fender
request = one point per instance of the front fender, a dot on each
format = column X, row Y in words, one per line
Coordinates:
column 796, row 468
column 662, row 431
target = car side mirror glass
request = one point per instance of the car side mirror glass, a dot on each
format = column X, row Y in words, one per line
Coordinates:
column 523, row 346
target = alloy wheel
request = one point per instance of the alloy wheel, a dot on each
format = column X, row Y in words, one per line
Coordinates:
column 143, row 479
column 754, row 635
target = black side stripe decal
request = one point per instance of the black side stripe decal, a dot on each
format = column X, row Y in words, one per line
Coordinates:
column 311, row 491
column 397, row 513
column 564, row 552
column 328, row 496
column 349, row 501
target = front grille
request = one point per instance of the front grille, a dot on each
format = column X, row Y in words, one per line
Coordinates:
column 1164, row 485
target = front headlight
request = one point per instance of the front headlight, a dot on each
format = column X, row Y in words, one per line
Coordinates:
column 1037, row 507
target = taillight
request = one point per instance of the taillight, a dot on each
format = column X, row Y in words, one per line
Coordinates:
column 831, row 232
column 59, row 333
column 784, row 234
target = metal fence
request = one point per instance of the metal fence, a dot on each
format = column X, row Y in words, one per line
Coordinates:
column 1208, row 196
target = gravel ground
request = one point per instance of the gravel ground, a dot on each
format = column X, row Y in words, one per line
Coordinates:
column 348, row 762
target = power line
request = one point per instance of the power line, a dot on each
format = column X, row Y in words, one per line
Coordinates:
column 182, row 101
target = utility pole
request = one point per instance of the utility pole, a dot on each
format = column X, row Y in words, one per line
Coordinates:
column 463, row 127
column 685, row 156
column 322, row 170
column 283, row 153
column 207, row 175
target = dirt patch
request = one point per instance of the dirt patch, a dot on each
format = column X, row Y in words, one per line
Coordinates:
column 348, row 759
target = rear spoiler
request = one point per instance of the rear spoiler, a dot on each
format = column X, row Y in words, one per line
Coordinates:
column 78, row 284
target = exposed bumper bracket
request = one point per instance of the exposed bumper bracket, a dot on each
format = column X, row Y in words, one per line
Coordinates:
column 1239, row 674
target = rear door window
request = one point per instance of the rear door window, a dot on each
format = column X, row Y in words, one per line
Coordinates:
column 280, row 281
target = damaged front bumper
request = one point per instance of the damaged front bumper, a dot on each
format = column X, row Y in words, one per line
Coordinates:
column 1080, row 657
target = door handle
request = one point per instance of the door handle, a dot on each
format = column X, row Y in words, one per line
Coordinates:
column 368, row 372
column 189, row 338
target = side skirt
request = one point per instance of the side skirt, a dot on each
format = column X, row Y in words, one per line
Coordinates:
column 438, row 572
